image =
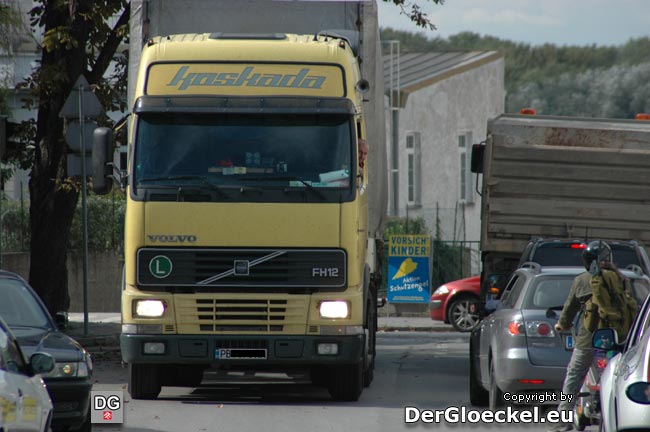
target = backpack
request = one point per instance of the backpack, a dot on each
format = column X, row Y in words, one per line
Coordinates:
column 611, row 304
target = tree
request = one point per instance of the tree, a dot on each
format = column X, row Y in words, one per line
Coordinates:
column 8, row 23
column 77, row 39
column 415, row 13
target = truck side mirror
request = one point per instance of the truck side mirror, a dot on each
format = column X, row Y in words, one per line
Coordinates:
column 102, row 160
column 478, row 150
column 495, row 284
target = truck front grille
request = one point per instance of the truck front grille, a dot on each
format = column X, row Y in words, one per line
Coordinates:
column 242, row 268
column 212, row 315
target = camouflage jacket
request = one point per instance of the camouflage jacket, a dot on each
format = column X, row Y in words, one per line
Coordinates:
column 580, row 289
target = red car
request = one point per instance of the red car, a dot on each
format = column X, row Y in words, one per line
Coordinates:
column 455, row 303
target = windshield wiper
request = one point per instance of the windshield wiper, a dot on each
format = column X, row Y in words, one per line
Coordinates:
column 203, row 179
column 288, row 178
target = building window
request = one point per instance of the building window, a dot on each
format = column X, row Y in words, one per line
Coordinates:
column 413, row 169
column 466, row 193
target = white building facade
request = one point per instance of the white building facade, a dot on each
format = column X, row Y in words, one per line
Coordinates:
column 445, row 101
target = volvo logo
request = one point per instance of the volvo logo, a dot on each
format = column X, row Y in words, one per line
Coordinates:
column 241, row 268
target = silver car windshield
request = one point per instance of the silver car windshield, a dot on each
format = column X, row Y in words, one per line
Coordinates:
column 19, row 307
column 269, row 151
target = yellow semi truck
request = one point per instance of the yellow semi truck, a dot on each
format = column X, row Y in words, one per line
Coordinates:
column 247, row 230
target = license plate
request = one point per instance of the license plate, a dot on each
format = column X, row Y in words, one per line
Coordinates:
column 239, row 353
column 568, row 342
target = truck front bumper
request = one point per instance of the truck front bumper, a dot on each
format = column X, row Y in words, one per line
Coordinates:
column 240, row 350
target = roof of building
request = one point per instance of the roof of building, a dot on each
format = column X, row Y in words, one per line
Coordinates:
column 421, row 69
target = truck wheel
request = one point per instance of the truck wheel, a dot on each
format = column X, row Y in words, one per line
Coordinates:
column 464, row 314
column 144, row 381
column 346, row 382
column 371, row 326
column 478, row 396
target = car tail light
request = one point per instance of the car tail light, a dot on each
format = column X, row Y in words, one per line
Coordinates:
column 539, row 329
column 578, row 246
column 516, row 328
column 531, row 381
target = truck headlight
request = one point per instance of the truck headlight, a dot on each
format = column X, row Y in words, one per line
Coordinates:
column 149, row 308
column 334, row 309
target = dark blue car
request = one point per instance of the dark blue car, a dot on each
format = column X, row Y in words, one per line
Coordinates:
column 69, row 384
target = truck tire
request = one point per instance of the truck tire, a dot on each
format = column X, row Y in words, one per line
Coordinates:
column 144, row 381
column 346, row 382
column 371, row 326
column 478, row 396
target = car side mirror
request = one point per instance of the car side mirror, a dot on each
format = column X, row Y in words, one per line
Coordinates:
column 41, row 363
column 61, row 319
column 605, row 339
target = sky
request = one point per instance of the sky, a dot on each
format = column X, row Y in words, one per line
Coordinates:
column 560, row 22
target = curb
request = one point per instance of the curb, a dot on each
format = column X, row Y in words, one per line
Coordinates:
column 418, row 329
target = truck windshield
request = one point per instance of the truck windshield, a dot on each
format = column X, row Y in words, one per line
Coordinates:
column 269, row 151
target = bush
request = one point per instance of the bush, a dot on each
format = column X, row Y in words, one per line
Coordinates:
column 105, row 225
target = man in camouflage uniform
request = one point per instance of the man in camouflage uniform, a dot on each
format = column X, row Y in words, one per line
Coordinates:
column 583, row 353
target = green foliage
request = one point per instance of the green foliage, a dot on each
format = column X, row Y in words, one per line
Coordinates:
column 405, row 226
column 105, row 225
column 592, row 81
column 15, row 226
column 447, row 262
column 415, row 14
column 9, row 20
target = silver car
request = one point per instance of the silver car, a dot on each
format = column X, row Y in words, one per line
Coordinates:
column 515, row 350
column 625, row 382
